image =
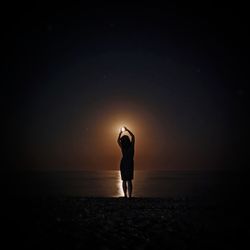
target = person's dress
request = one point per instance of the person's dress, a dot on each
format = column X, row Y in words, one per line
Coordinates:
column 127, row 164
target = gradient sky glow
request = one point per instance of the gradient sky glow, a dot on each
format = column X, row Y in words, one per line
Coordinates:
column 77, row 75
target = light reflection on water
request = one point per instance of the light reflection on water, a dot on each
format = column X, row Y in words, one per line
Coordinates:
column 118, row 182
column 108, row 183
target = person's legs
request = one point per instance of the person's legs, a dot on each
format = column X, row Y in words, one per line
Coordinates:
column 130, row 188
column 124, row 187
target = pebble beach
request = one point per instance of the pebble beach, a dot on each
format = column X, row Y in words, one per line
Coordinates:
column 120, row 223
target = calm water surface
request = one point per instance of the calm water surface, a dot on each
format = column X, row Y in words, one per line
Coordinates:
column 108, row 183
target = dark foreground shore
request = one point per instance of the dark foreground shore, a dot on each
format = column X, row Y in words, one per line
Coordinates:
column 118, row 223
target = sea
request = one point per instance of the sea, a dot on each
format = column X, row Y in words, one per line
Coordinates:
column 165, row 184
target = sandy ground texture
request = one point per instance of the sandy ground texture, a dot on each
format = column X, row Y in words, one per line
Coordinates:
column 119, row 223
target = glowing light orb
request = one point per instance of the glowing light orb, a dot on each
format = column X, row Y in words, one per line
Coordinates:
column 122, row 129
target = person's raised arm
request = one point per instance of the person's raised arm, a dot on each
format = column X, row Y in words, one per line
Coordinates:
column 131, row 134
column 119, row 138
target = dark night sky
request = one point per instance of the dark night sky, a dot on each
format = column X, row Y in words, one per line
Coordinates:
column 176, row 75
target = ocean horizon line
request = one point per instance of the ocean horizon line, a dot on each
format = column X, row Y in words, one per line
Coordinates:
column 112, row 170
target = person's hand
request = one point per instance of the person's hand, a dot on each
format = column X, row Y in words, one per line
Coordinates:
column 126, row 129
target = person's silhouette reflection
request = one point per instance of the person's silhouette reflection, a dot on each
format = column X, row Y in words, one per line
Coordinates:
column 127, row 161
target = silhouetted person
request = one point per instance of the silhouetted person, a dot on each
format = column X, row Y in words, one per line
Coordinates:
column 127, row 161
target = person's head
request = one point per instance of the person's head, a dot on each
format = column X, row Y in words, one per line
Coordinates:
column 125, row 142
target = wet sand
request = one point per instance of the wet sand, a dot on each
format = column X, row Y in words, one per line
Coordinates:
column 119, row 223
